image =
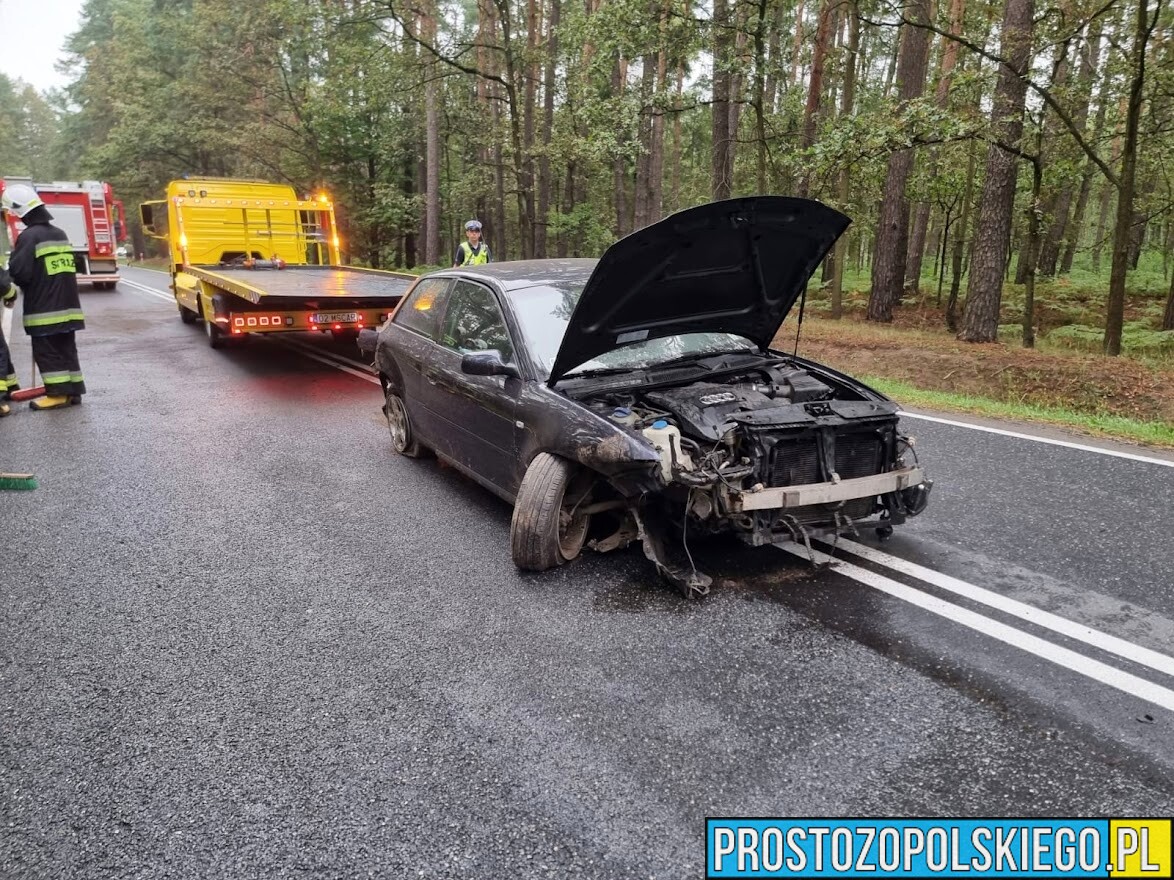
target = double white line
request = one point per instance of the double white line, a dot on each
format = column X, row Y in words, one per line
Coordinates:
column 1017, row 638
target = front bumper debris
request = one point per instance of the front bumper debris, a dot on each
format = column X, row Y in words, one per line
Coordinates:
column 786, row 497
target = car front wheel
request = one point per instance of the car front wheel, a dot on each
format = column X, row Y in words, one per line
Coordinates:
column 403, row 438
column 549, row 526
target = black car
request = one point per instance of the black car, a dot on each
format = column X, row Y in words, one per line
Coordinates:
column 636, row 397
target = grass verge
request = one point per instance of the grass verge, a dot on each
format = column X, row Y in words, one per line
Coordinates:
column 1110, row 426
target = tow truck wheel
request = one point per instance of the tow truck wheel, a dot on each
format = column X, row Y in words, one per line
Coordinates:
column 548, row 528
column 186, row 315
column 403, row 438
column 216, row 336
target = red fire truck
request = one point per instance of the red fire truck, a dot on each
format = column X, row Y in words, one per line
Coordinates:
column 92, row 218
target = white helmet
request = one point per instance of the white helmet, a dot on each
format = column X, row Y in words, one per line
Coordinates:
column 20, row 198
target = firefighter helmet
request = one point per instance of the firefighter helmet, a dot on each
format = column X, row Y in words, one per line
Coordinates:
column 20, row 198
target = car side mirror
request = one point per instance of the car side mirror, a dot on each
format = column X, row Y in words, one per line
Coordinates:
column 487, row 363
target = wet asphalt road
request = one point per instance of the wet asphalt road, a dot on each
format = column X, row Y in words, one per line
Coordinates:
column 239, row 637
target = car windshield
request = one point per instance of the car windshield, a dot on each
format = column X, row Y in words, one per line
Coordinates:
column 545, row 310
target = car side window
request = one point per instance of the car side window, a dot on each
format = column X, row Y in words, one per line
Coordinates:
column 422, row 308
column 473, row 322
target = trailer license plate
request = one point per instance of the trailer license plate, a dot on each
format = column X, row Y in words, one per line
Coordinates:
column 334, row 317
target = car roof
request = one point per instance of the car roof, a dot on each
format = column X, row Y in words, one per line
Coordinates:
column 518, row 274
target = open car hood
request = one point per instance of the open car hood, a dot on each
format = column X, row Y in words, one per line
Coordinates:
column 735, row 266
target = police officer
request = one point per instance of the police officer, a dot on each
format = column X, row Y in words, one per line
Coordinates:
column 472, row 252
column 8, row 382
column 42, row 264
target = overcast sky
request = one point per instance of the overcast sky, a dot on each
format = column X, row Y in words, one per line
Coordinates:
column 32, row 34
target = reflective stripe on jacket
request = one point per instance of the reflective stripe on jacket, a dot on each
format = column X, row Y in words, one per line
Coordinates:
column 42, row 263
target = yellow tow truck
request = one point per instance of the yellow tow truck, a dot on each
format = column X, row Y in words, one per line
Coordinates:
column 249, row 256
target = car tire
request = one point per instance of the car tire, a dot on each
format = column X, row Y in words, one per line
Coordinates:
column 403, row 437
column 186, row 315
column 543, row 534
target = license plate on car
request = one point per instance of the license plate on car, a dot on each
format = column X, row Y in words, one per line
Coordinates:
column 334, row 317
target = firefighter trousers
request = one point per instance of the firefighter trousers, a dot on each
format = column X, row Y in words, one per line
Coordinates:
column 8, row 381
column 56, row 357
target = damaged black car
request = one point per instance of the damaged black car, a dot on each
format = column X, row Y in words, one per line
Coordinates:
column 636, row 398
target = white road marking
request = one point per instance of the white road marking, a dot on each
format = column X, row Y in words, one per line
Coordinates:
column 1097, row 639
column 150, row 291
column 307, row 347
column 1086, row 666
column 325, row 358
column 1065, row 443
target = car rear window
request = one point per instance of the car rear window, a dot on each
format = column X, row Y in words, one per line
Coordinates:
column 422, row 308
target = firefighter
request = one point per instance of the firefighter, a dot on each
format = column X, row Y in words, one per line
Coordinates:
column 8, row 382
column 472, row 252
column 42, row 264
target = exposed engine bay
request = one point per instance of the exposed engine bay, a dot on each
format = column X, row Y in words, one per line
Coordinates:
column 780, row 450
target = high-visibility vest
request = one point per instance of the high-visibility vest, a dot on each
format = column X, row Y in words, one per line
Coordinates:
column 468, row 258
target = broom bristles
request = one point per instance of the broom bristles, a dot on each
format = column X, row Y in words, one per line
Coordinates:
column 18, row 481
column 27, row 393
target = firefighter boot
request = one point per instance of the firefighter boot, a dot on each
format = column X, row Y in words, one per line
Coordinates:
column 52, row 402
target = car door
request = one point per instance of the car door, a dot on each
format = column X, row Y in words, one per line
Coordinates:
column 416, row 328
column 477, row 413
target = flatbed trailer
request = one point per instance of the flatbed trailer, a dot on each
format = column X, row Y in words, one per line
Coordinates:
column 250, row 257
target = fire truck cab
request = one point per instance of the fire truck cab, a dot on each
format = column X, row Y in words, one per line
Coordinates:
column 87, row 212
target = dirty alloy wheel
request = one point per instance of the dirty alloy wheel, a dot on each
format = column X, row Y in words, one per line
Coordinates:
column 403, row 439
column 548, row 527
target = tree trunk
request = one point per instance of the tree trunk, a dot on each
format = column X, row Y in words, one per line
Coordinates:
column 675, row 178
column 1168, row 314
column 984, row 294
column 773, row 63
column 847, row 100
column 888, row 264
column 643, row 187
column 1031, row 246
column 656, row 148
column 432, row 148
column 921, row 217
column 758, row 95
column 723, row 151
column 1115, row 313
column 797, row 45
column 545, row 180
column 619, row 165
column 1075, row 229
column 960, row 244
column 823, row 35
column 735, row 94
column 531, row 75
